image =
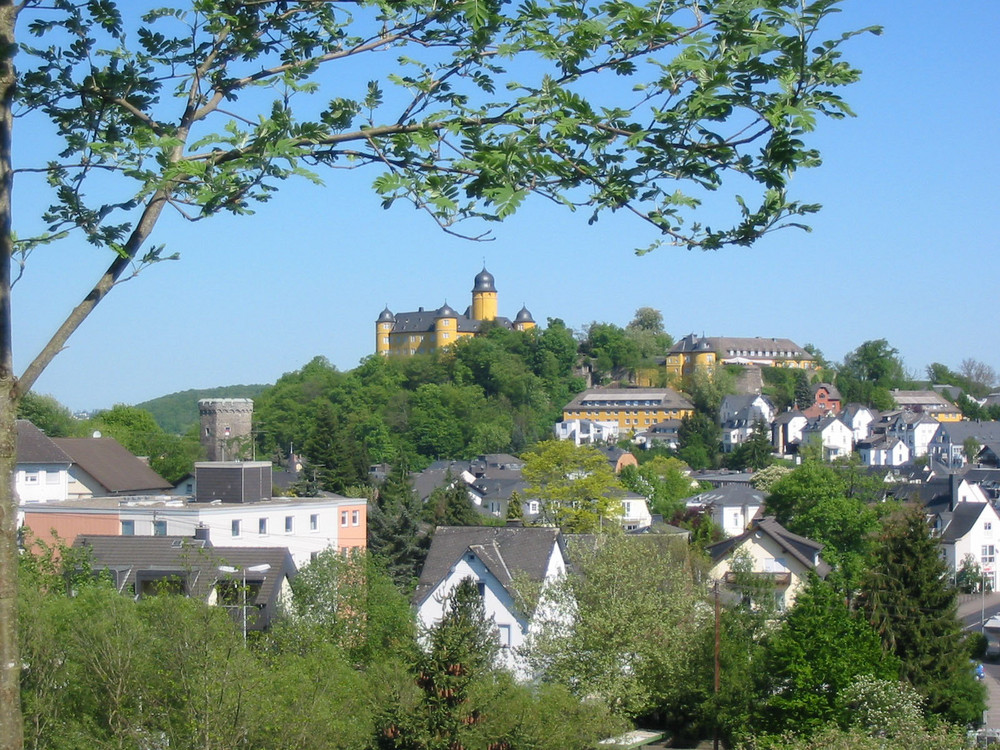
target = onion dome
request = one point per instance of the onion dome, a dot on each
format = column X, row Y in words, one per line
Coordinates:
column 386, row 316
column 523, row 316
column 445, row 311
column 484, row 282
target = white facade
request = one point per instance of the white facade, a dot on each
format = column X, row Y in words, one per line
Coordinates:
column 587, row 431
column 860, row 421
column 981, row 541
column 41, row 483
column 305, row 526
column 916, row 433
column 836, row 438
column 635, row 513
column 891, row 452
column 512, row 627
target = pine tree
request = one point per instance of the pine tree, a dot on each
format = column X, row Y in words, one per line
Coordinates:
column 461, row 655
column 395, row 531
column 803, row 393
column 907, row 599
column 450, row 504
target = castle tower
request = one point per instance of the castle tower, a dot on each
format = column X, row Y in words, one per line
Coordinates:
column 226, row 428
column 383, row 327
column 524, row 321
column 445, row 327
column 484, row 297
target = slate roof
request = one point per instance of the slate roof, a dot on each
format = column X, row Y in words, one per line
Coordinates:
column 110, row 464
column 661, row 398
column 765, row 347
column 196, row 560
column 831, row 390
column 35, row 447
column 963, row 518
column 729, row 496
column 958, row 432
column 804, row 550
column 787, row 416
column 507, row 551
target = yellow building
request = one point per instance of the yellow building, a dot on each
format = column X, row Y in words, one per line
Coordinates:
column 632, row 408
column 693, row 353
column 423, row 331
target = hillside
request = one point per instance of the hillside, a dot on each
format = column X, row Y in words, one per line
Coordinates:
column 178, row 412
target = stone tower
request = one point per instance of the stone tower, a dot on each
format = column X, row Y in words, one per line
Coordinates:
column 225, row 428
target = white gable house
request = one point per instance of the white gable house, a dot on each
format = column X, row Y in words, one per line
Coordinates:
column 492, row 557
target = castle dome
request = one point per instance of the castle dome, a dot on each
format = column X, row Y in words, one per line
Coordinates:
column 484, row 282
column 523, row 316
column 445, row 311
column 386, row 316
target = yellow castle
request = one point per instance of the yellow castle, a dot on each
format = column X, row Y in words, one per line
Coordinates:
column 423, row 331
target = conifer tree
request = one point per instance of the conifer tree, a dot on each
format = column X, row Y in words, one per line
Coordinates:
column 803, row 393
column 461, row 654
column 395, row 531
column 450, row 504
column 908, row 600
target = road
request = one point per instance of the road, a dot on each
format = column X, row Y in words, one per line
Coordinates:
column 970, row 612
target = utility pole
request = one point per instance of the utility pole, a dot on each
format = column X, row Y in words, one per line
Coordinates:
column 718, row 670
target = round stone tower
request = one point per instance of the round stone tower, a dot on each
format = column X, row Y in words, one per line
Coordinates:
column 226, row 428
column 484, row 297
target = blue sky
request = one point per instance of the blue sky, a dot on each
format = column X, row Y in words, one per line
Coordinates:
column 900, row 250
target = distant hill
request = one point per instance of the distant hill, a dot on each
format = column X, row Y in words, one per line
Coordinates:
column 178, row 412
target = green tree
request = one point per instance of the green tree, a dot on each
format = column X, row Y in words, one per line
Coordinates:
column 576, row 486
column 352, row 603
column 908, row 600
column 817, row 653
column 755, row 452
column 610, row 350
column 461, row 655
column 450, row 505
column 803, row 393
column 97, row 80
column 602, row 630
column 870, row 372
column 699, row 439
column 395, row 532
column 47, row 414
column 664, row 482
column 646, row 331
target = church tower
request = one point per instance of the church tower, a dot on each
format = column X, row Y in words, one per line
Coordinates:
column 484, row 297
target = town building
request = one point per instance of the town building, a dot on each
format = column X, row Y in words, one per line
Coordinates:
column 694, row 353
column 632, row 409
column 423, row 331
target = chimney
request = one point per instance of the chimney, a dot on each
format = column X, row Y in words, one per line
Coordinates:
column 201, row 533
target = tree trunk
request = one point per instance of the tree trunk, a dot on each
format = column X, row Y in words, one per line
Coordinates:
column 11, row 727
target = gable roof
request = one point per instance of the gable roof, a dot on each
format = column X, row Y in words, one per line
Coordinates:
column 804, row 550
column 728, row 496
column 35, row 447
column 507, row 551
column 963, row 518
column 117, row 470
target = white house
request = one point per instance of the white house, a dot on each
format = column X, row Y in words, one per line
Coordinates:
column 738, row 414
column 773, row 553
column 635, row 512
column 948, row 443
column 587, row 431
column 732, row 506
column 883, row 451
column 916, row 430
column 835, row 437
column 860, row 419
column 786, row 430
column 972, row 529
column 492, row 557
column 42, row 473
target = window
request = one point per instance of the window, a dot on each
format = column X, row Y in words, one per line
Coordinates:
column 988, row 526
column 355, row 518
column 159, row 528
column 128, row 528
column 313, row 522
column 288, row 524
column 262, row 526
column 31, row 477
column 52, row 477
column 533, row 507
column 343, row 518
column 989, row 554
column 313, row 556
column 503, row 631
column 236, row 527
column 481, row 588
column 445, row 335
